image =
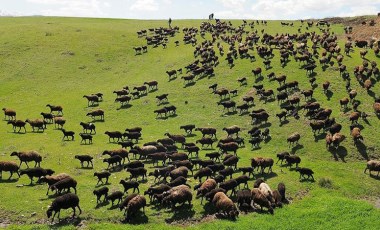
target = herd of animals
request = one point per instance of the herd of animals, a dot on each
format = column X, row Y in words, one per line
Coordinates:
column 215, row 173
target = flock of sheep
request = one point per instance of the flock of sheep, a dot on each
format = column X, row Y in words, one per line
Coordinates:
column 215, row 174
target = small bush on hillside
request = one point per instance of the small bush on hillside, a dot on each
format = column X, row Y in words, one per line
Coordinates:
column 325, row 183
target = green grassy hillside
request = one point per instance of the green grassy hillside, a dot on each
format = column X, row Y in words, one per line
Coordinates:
column 58, row 60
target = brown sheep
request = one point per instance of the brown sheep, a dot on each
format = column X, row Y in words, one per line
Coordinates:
column 17, row 124
column 8, row 166
column 59, row 122
column 56, row 108
column 10, row 113
column 27, row 156
column 207, row 131
column 178, row 194
column 134, row 205
column 51, row 180
column 206, row 187
column 354, row 117
column 337, row 139
column 293, row 138
column 225, row 205
column 259, row 198
column 376, row 107
column 177, row 138
column 368, row 84
column 180, row 171
column 326, row 86
column 96, row 113
column 37, row 123
column 344, row 102
column 65, row 201
column 373, row 165
column 356, row 136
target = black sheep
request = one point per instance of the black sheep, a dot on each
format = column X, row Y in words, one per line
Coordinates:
column 65, row 183
column 36, row 172
column 65, row 201
column 204, row 172
column 101, row 175
column 85, row 158
column 130, row 184
column 117, row 195
column 114, row 160
column 305, row 171
column 103, row 191
column 136, row 172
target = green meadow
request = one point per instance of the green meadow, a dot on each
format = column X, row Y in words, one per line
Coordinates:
column 52, row 60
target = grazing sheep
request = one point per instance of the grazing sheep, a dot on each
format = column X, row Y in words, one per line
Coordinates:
column 281, row 156
column 157, row 190
column 203, row 172
column 10, row 113
column 178, row 157
column 356, row 136
column 65, row 183
column 160, row 156
column 292, row 160
column 293, row 138
column 36, row 172
column 17, row 124
column 162, row 97
column 113, row 160
column 96, row 113
column 305, row 171
column 134, row 205
column 373, row 165
column 136, row 172
column 88, row 127
column 51, row 180
column 151, row 84
column 56, row 108
column 259, row 198
column 8, row 166
column 65, row 201
column 281, row 189
column 188, row 128
column 354, row 117
column 124, row 203
column 113, row 135
column 101, row 175
column 36, row 124
column 85, row 137
column 27, row 156
column 214, row 156
column 117, row 195
column 85, row 158
column 161, row 173
column 177, row 195
column 225, row 205
column 248, row 170
column 206, row 187
column 103, row 191
column 192, row 149
column 67, row 134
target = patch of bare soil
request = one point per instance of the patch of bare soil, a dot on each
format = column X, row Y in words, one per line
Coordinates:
column 377, row 204
column 192, row 221
column 361, row 28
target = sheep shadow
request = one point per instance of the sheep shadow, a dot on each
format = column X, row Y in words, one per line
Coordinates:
column 189, row 84
column 310, row 180
column 7, row 181
column 284, row 122
column 258, row 79
column 127, row 106
column 319, row 136
column 153, row 90
column 137, row 220
column 371, row 94
column 340, row 153
column 229, row 113
column 172, row 115
column 264, row 125
column 85, row 167
column 17, row 133
column 102, row 184
column 329, row 94
column 376, row 177
column 181, row 213
column 92, row 105
column 172, row 78
column 163, row 103
column 244, row 113
column 208, row 208
column 267, row 176
column 75, row 221
column 297, row 147
column 362, row 149
column 102, row 204
column 113, row 207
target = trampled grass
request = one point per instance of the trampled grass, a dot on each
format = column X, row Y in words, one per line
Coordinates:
column 58, row 60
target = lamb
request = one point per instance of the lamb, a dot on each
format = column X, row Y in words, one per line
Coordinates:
column 8, row 166
column 51, row 180
column 266, row 191
column 65, row 201
column 293, row 160
column 261, row 200
column 36, row 124
column 180, row 171
column 36, row 172
column 281, row 156
column 134, row 205
column 176, row 195
column 373, row 165
column 229, row 185
column 56, row 108
column 225, row 205
column 136, row 172
column 293, row 138
column 65, row 183
column 85, row 137
column 67, row 134
column 17, row 124
column 117, row 195
column 88, row 127
column 113, row 160
column 232, row 130
column 305, row 171
column 96, row 113
column 157, row 190
column 117, row 152
column 162, row 97
column 85, row 158
column 203, row 172
column 356, row 136
column 114, row 135
column 10, row 113
column 27, row 156
column 101, row 175
column 188, row 128
column 103, row 191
